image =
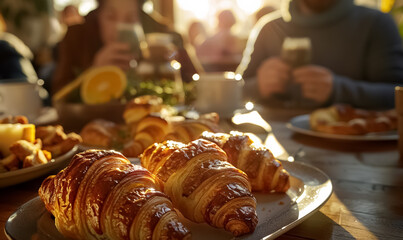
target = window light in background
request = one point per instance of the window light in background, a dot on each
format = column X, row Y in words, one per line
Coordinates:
column 199, row 9
column 249, row 6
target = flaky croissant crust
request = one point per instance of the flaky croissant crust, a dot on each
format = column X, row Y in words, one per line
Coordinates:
column 203, row 185
column 265, row 173
column 100, row 195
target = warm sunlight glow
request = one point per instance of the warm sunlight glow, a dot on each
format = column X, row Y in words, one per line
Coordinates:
column 275, row 147
column 249, row 106
column 148, row 7
column 176, row 65
column 251, row 117
column 198, row 8
column 196, row 77
column 249, row 6
column 229, row 75
column 87, row 6
column 346, row 216
column 255, row 118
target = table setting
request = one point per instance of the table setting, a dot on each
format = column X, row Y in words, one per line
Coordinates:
column 327, row 182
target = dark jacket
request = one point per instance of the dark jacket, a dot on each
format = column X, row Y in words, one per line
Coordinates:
column 361, row 46
column 15, row 59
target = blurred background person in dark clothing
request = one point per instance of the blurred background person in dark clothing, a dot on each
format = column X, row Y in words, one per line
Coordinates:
column 15, row 57
column 356, row 58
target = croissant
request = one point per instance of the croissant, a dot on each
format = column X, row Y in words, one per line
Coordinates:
column 55, row 140
column 188, row 130
column 141, row 107
column 100, row 133
column 203, row 185
column 100, row 195
column 149, row 130
column 346, row 120
column 265, row 173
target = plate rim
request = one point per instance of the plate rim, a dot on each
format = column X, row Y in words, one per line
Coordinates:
column 296, row 222
column 305, row 118
column 54, row 161
column 327, row 186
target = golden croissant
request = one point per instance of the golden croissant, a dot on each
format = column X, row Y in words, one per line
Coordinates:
column 203, row 185
column 100, row 195
column 149, row 130
column 265, row 173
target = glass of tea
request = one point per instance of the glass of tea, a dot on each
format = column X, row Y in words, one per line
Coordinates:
column 296, row 51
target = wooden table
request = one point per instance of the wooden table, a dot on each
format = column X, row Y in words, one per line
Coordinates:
column 367, row 177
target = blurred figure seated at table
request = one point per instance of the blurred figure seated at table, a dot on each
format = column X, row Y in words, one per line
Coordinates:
column 15, row 57
column 197, row 33
column 223, row 49
column 356, row 57
column 95, row 42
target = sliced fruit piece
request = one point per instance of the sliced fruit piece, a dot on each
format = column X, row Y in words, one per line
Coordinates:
column 102, row 84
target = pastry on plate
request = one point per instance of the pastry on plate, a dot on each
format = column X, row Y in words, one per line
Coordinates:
column 346, row 120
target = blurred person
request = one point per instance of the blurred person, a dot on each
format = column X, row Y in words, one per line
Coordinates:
column 197, row 33
column 15, row 57
column 223, row 46
column 356, row 58
column 95, row 42
column 71, row 16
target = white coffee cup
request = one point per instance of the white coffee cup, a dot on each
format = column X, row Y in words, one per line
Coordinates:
column 219, row 92
column 20, row 98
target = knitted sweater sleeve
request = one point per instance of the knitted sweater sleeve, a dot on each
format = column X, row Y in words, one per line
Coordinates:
column 384, row 70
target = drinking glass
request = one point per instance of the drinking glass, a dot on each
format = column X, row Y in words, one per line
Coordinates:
column 296, row 52
column 133, row 34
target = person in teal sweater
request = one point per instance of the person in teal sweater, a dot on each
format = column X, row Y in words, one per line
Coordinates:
column 356, row 59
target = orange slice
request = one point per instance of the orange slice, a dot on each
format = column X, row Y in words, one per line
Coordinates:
column 102, row 84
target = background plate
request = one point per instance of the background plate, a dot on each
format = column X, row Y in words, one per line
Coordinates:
column 278, row 213
column 29, row 173
column 300, row 124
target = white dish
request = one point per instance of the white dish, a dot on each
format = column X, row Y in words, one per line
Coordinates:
column 278, row 213
column 26, row 174
column 300, row 124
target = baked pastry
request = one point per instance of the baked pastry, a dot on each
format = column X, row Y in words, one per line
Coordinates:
column 100, row 195
column 147, row 121
column 346, row 120
column 30, row 154
column 265, row 173
column 14, row 119
column 104, row 134
column 55, row 140
column 203, row 185
column 141, row 107
column 149, row 130
column 188, row 130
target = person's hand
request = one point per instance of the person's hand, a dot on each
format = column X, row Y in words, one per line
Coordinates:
column 273, row 76
column 316, row 82
column 116, row 54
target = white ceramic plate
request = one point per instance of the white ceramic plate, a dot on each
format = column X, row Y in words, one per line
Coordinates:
column 300, row 124
column 26, row 174
column 278, row 213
